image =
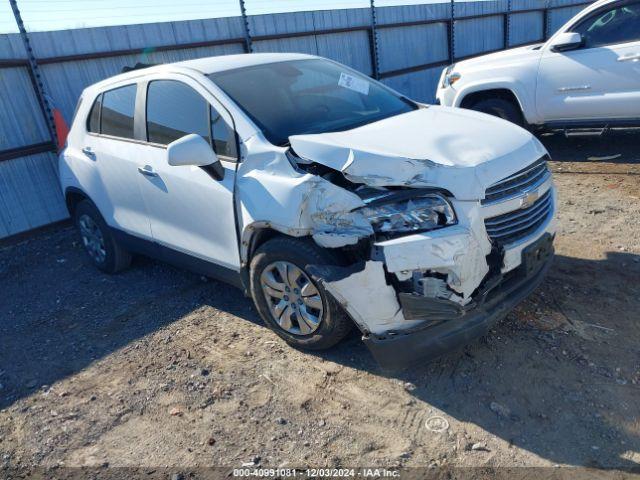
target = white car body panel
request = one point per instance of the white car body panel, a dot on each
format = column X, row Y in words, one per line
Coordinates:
column 183, row 208
column 114, row 176
column 571, row 86
column 463, row 152
column 181, row 201
column 589, row 83
column 509, row 70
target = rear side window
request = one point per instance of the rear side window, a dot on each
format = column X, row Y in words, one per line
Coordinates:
column 93, row 124
column 118, row 107
column 173, row 111
column 619, row 24
column 75, row 110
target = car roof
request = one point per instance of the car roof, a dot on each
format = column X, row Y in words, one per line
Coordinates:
column 204, row 66
column 600, row 3
column 221, row 63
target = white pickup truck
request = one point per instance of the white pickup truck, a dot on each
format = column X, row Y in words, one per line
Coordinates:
column 587, row 75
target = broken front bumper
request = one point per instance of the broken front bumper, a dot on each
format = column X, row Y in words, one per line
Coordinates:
column 454, row 328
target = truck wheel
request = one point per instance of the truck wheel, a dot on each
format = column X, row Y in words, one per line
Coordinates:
column 97, row 239
column 501, row 108
column 294, row 306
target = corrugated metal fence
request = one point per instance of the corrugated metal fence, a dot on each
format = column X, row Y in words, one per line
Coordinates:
column 405, row 46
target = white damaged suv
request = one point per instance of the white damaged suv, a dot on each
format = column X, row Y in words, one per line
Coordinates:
column 327, row 197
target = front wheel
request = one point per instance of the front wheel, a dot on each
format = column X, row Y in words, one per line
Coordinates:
column 499, row 107
column 294, row 306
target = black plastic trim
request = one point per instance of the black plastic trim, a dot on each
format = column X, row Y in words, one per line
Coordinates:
column 594, row 123
column 399, row 351
column 153, row 249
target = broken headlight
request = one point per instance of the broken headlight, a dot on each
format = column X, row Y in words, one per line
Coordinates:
column 417, row 214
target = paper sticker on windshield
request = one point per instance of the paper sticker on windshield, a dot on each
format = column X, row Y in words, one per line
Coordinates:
column 353, row 83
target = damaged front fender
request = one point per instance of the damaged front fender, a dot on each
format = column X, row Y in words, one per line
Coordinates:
column 273, row 193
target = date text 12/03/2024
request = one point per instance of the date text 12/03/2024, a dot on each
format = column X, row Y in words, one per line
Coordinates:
column 317, row 472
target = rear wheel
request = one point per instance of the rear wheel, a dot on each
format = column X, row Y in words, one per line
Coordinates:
column 499, row 107
column 290, row 302
column 98, row 241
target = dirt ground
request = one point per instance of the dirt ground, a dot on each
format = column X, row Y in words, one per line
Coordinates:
column 157, row 367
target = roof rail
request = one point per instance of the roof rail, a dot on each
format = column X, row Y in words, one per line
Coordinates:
column 137, row 66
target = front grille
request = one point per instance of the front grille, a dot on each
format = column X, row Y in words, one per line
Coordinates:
column 514, row 184
column 513, row 226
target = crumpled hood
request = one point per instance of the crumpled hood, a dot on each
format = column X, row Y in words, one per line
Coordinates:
column 459, row 150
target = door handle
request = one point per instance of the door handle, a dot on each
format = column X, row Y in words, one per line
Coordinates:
column 634, row 57
column 89, row 153
column 147, row 170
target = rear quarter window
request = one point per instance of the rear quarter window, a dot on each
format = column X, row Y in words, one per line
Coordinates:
column 118, row 107
column 93, row 122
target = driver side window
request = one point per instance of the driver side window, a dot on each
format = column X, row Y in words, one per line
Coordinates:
column 620, row 24
column 174, row 110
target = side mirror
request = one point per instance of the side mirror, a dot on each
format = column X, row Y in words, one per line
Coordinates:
column 566, row 41
column 193, row 150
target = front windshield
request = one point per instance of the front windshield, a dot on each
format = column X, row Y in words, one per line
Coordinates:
column 308, row 96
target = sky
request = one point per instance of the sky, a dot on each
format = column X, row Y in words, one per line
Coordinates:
column 39, row 15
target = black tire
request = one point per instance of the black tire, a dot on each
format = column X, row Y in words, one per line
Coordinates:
column 499, row 107
column 116, row 258
column 335, row 325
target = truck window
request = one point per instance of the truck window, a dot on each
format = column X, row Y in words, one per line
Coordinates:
column 620, row 24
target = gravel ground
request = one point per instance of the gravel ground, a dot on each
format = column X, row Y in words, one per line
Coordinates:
column 157, row 367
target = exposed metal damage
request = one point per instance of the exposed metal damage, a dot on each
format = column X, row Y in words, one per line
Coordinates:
column 375, row 306
column 330, row 211
column 399, row 281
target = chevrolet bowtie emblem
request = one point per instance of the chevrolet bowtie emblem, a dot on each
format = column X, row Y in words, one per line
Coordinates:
column 529, row 199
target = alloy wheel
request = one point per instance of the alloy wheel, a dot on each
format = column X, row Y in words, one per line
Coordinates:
column 92, row 238
column 294, row 301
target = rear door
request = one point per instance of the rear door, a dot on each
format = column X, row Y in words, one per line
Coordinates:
column 110, row 146
column 190, row 211
column 600, row 80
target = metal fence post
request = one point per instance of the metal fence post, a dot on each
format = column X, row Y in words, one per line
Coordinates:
column 248, row 44
column 545, row 20
column 373, row 42
column 507, row 26
column 34, row 74
column 452, row 33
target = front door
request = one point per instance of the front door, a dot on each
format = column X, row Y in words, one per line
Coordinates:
column 601, row 79
column 190, row 211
